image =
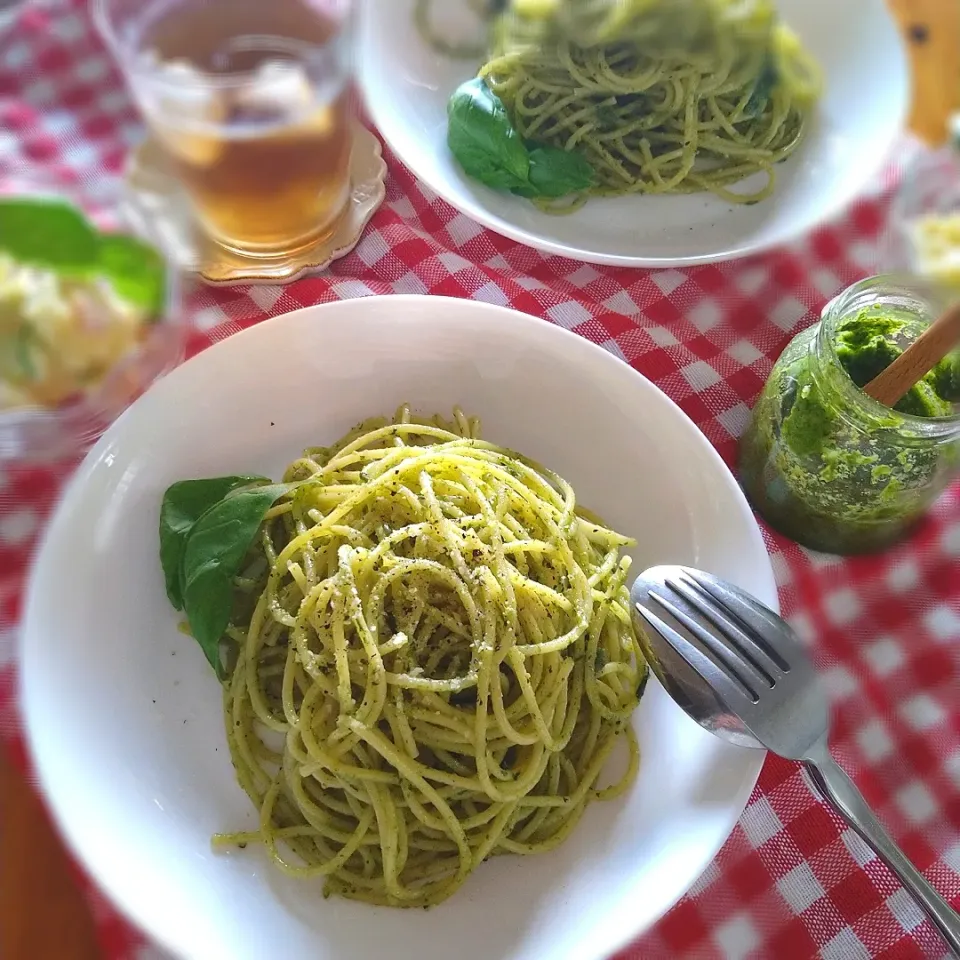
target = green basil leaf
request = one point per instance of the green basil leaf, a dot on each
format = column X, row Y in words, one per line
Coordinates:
column 48, row 232
column 482, row 137
column 136, row 271
column 763, row 89
column 556, row 173
column 183, row 505
column 215, row 549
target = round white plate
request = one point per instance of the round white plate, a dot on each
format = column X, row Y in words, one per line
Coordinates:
column 407, row 85
column 123, row 711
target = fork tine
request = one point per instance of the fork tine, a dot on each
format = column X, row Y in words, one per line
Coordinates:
column 731, row 688
column 756, row 620
column 740, row 635
column 747, row 671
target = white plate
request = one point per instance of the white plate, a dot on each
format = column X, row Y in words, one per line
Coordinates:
column 123, row 712
column 864, row 109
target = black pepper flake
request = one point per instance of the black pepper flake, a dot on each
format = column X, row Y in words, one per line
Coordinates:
column 919, row 33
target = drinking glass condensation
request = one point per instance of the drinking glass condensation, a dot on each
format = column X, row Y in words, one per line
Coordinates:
column 250, row 100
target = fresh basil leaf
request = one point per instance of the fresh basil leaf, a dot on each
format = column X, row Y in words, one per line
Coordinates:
column 48, row 232
column 556, row 173
column 137, row 272
column 183, row 505
column 482, row 137
column 215, row 549
column 763, row 89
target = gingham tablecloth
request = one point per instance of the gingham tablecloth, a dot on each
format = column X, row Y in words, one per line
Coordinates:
column 793, row 881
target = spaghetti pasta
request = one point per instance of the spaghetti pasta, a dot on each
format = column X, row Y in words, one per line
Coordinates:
column 435, row 662
column 660, row 96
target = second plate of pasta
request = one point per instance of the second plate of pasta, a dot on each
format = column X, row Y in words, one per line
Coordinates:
column 647, row 134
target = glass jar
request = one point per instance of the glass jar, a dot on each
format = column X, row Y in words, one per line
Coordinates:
column 923, row 238
column 830, row 467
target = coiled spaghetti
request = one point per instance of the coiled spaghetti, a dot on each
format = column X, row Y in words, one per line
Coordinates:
column 661, row 96
column 435, row 664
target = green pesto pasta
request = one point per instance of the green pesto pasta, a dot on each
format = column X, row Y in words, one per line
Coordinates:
column 436, row 660
column 660, row 96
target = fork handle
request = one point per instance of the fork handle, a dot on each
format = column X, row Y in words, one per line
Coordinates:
column 841, row 793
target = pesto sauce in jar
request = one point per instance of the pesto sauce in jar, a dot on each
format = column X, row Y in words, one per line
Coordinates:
column 870, row 341
column 832, row 468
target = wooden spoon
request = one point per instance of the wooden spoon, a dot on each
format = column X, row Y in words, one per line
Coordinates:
column 894, row 383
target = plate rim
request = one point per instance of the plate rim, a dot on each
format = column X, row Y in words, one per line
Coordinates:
column 474, row 209
column 174, row 937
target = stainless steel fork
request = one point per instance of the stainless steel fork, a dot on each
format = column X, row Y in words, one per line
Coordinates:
column 739, row 670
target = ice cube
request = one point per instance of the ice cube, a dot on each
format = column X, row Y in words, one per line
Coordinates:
column 279, row 90
column 196, row 149
column 320, row 123
column 187, row 111
column 188, row 94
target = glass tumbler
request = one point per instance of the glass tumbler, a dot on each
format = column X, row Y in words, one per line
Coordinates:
column 251, row 102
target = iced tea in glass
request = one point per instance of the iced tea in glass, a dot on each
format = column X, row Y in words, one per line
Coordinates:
column 250, row 100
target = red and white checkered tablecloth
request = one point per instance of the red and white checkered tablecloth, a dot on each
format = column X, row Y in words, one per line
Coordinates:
column 793, row 881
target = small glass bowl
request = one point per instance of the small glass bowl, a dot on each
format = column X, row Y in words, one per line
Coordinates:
column 929, row 194
column 37, row 434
